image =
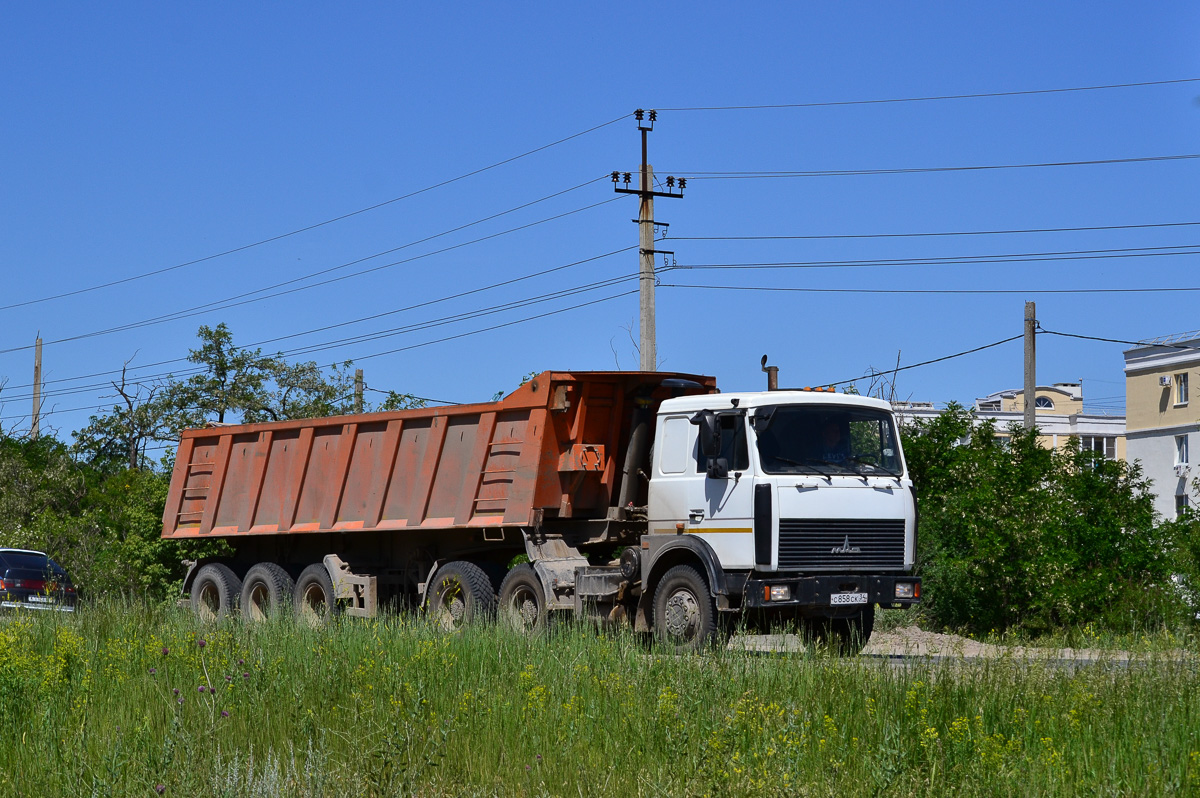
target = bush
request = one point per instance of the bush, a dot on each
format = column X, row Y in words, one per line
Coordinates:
column 1014, row 535
column 102, row 522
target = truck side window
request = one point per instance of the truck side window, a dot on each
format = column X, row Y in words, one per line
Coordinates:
column 674, row 445
column 733, row 444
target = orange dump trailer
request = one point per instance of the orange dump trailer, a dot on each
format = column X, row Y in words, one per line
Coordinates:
column 552, row 449
column 340, row 513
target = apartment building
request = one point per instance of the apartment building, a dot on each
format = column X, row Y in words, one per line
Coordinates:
column 1163, row 424
column 1060, row 417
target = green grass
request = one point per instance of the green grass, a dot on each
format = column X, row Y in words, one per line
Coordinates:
column 390, row 707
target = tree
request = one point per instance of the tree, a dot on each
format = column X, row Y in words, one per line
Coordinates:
column 124, row 433
column 232, row 379
column 1016, row 535
column 401, row 401
column 304, row 390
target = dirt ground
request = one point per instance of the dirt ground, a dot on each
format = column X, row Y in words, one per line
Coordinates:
column 911, row 641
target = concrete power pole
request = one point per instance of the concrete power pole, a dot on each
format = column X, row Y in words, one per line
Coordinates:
column 35, row 426
column 1030, row 365
column 358, row 391
column 647, row 345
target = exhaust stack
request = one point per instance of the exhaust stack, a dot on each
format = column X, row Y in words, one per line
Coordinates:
column 772, row 375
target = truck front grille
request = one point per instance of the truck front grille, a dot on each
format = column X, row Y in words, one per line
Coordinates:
column 841, row 544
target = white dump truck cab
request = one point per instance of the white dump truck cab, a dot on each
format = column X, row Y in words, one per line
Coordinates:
column 797, row 503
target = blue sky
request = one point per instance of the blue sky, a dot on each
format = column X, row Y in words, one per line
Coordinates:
column 137, row 137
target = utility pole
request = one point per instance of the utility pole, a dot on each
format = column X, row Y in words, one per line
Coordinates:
column 1030, row 366
column 645, row 221
column 358, row 391
column 35, row 426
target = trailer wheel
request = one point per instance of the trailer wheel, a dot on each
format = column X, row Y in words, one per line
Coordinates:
column 523, row 601
column 215, row 592
column 685, row 615
column 459, row 594
column 313, row 597
column 266, row 592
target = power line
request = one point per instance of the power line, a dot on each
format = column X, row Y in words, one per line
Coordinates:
column 240, row 299
column 415, row 306
column 1031, row 257
column 439, row 300
column 428, row 343
column 307, row 228
column 1115, row 340
column 929, row 362
column 935, row 290
column 919, row 170
column 321, row 347
column 934, row 234
column 377, row 335
column 414, row 396
column 933, row 98
column 497, row 326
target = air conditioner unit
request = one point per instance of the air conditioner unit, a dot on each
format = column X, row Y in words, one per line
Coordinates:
column 1164, row 381
column 1181, row 470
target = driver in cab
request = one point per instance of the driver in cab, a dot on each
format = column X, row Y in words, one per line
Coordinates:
column 834, row 446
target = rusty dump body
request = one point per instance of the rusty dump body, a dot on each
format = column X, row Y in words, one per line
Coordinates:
column 549, row 455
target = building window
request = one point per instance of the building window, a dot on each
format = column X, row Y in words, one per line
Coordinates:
column 1181, row 450
column 1100, row 444
column 1181, row 504
column 1181, row 389
column 1043, row 403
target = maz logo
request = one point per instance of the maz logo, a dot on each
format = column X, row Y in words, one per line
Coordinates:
column 845, row 548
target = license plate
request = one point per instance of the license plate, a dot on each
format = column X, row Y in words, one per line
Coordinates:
column 42, row 600
column 848, row 598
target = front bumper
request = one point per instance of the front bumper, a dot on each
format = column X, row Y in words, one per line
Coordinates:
column 28, row 605
column 816, row 591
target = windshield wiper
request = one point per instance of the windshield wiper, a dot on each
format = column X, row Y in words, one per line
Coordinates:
column 870, row 467
column 808, row 462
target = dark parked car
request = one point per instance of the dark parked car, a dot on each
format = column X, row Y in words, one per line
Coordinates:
column 31, row 580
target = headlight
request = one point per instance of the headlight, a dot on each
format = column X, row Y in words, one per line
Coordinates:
column 778, row 593
column 908, row 590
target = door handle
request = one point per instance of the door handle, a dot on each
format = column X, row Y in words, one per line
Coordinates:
column 695, row 516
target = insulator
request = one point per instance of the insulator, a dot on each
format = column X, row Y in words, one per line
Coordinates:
column 628, row 176
column 670, row 182
column 682, row 183
column 653, row 115
column 638, row 114
column 616, row 176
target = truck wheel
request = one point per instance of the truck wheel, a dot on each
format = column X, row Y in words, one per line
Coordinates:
column 523, row 601
column 459, row 594
column 313, row 597
column 266, row 592
column 685, row 615
column 215, row 592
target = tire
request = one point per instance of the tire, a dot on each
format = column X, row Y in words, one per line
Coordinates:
column 313, row 598
column 685, row 614
column 523, row 601
column 847, row 636
column 460, row 594
column 266, row 592
column 215, row 592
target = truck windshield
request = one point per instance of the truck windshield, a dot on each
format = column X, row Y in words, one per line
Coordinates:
column 823, row 440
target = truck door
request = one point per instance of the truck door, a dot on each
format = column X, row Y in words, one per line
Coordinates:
column 720, row 508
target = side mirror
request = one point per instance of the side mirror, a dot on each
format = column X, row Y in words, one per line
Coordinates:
column 718, row 468
column 710, row 433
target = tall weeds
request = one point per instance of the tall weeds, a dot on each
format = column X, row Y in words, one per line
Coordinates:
column 138, row 700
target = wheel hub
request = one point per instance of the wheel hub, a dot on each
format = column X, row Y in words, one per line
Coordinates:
column 524, row 608
column 682, row 614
